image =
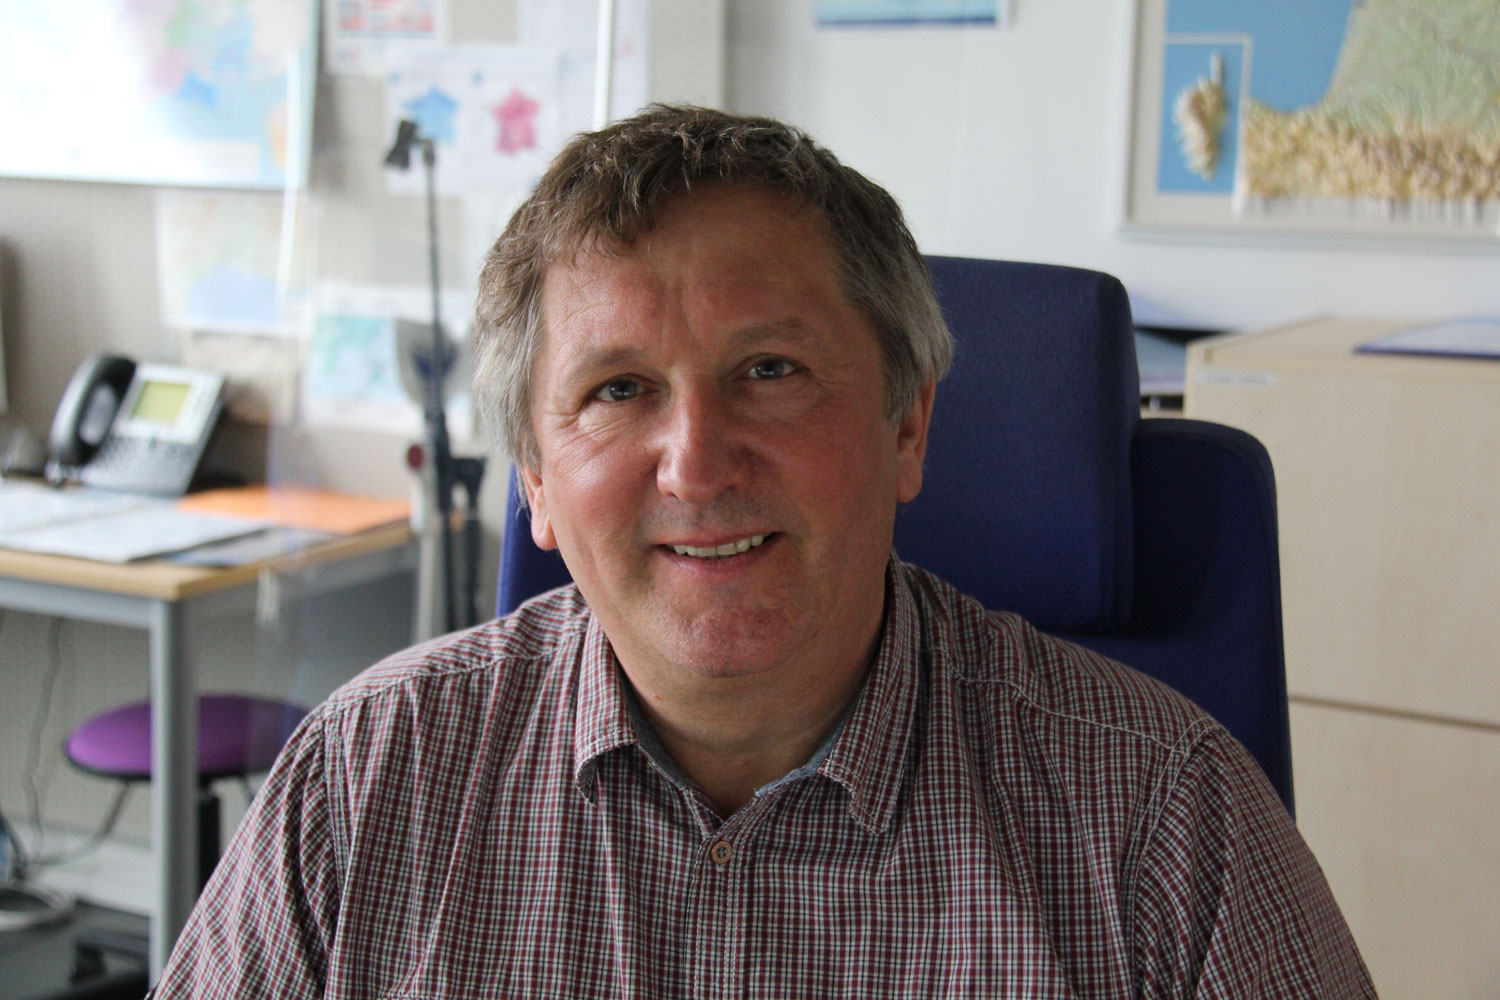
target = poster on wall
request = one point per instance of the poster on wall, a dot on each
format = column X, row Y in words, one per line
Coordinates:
column 228, row 261
column 209, row 93
column 1345, row 118
column 493, row 113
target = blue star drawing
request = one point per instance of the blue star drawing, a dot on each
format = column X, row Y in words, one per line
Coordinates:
column 434, row 112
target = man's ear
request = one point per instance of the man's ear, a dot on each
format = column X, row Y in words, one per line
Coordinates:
column 536, row 499
column 911, row 443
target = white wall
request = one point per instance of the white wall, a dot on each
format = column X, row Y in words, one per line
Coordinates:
column 1011, row 144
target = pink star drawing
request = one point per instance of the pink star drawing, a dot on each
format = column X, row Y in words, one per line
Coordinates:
column 516, row 116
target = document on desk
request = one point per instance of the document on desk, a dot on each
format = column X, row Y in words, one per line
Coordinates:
column 1467, row 337
column 109, row 527
column 272, row 543
column 28, row 505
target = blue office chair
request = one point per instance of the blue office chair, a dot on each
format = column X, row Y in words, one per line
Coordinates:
column 1151, row 541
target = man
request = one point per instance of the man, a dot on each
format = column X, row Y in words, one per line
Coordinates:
column 749, row 754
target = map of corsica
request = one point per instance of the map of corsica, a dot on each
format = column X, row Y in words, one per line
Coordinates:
column 1412, row 113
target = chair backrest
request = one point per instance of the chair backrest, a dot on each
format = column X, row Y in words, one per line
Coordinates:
column 1151, row 541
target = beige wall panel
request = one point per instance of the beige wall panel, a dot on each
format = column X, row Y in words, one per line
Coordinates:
column 1401, row 814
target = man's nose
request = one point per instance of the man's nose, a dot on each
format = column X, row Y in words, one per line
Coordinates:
column 703, row 448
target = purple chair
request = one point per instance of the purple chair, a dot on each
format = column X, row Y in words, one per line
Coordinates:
column 238, row 735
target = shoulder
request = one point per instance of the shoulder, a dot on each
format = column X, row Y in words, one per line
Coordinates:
column 999, row 659
column 503, row 665
column 1107, row 776
column 1099, row 768
column 533, row 634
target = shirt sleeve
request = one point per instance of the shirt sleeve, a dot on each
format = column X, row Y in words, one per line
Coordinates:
column 1229, row 901
column 264, row 924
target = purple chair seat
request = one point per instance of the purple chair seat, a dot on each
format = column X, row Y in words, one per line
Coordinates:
column 237, row 734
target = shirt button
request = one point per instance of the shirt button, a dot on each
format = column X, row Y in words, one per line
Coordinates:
column 721, row 852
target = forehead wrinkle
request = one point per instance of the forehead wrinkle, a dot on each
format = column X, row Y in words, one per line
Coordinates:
column 789, row 330
column 569, row 295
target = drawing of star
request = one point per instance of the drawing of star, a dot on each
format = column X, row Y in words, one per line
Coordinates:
column 434, row 112
column 516, row 116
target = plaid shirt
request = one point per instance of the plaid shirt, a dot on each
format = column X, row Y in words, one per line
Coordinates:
column 1000, row 814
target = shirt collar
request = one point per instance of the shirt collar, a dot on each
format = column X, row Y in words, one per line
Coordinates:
column 603, row 717
column 869, row 757
column 866, row 753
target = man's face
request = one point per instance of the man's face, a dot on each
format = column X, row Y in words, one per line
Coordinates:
column 711, row 389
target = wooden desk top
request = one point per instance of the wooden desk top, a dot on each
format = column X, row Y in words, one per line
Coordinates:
column 172, row 582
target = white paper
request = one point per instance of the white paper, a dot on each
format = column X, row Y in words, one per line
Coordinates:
column 25, row 505
column 1473, row 337
column 229, row 262
column 573, row 27
column 366, row 36
column 143, row 528
column 275, row 541
column 492, row 112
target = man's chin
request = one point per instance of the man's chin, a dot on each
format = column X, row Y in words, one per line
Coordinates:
column 727, row 659
column 722, row 646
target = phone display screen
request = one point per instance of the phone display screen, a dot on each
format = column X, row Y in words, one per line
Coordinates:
column 160, row 402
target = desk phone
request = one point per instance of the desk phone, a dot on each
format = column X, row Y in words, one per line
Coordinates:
column 139, row 427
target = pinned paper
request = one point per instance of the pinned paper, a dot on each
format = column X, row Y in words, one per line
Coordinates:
column 492, row 112
column 353, row 375
column 366, row 36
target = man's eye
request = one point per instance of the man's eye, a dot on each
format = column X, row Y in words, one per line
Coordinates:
column 772, row 368
column 618, row 390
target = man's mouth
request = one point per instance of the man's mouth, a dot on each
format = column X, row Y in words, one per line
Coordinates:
column 720, row 551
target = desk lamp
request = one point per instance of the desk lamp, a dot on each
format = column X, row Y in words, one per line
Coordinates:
column 447, row 471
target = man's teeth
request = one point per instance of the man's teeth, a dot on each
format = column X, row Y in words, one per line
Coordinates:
column 719, row 551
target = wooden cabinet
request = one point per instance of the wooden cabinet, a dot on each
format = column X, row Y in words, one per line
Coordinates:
column 1388, row 484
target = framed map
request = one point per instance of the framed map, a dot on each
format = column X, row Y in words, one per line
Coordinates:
column 1358, row 118
column 212, row 93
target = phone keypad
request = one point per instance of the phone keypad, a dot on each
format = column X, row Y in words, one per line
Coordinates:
column 147, row 464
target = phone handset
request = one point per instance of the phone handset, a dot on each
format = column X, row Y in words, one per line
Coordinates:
column 86, row 411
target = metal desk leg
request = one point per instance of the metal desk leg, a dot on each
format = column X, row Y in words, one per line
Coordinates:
column 174, row 779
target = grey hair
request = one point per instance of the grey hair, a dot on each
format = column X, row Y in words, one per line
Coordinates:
column 606, row 189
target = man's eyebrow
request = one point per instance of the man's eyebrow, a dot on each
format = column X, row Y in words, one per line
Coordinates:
column 789, row 331
column 592, row 362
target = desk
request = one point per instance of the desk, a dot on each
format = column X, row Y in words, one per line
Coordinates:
column 158, row 597
column 1388, row 482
